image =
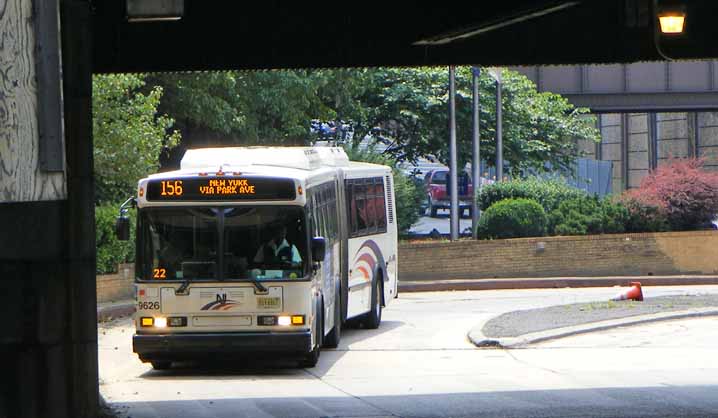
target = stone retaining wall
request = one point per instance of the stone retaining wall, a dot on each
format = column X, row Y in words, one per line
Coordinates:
column 118, row 286
column 670, row 253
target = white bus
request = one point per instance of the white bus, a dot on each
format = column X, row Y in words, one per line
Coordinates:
column 260, row 249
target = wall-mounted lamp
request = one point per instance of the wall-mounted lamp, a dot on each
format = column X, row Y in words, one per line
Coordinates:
column 154, row 10
column 672, row 21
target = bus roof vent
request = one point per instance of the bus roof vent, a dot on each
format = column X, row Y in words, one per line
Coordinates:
column 303, row 158
column 389, row 201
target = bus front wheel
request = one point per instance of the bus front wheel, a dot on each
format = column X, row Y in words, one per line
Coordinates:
column 161, row 364
column 332, row 339
column 373, row 317
column 310, row 359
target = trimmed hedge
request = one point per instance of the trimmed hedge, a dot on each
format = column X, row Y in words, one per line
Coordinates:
column 110, row 251
column 549, row 193
column 644, row 217
column 513, row 218
column 588, row 215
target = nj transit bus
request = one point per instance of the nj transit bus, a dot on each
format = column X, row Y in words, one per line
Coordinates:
column 260, row 249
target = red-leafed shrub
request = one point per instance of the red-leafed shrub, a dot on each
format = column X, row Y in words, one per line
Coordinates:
column 685, row 193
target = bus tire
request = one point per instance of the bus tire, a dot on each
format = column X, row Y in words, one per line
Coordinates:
column 373, row 318
column 332, row 339
column 161, row 364
column 310, row 359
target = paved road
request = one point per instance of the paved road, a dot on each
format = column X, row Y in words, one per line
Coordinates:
column 441, row 223
column 419, row 364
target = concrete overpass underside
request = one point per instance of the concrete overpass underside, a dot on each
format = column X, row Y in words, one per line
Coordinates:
column 48, row 341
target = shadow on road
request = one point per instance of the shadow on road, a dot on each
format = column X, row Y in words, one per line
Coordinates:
column 259, row 364
column 659, row 401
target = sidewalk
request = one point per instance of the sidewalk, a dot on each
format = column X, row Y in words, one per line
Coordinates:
column 115, row 309
column 552, row 282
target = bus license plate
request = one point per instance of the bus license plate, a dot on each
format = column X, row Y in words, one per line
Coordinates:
column 269, row 303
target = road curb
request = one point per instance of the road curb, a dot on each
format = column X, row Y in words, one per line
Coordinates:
column 480, row 340
column 108, row 312
column 551, row 283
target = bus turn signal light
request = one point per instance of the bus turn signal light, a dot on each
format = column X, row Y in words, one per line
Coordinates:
column 297, row 319
column 147, row 322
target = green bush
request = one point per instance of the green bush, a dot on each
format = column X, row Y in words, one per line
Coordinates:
column 588, row 215
column 548, row 193
column 513, row 218
column 644, row 217
column 110, row 251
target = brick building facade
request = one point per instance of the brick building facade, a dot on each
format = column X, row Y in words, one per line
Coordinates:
column 638, row 142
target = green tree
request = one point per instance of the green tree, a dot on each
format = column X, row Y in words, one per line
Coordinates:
column 255, row 108
column 406, row 107
column 410, row 105
column 128, row 134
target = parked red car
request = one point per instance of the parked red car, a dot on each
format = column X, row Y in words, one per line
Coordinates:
column 437, row 196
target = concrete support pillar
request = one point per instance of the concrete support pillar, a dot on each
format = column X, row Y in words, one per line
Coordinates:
column 706, row 140
column 612, row 146
column 48, row 343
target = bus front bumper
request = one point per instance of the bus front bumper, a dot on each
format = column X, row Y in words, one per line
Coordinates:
column 187, row 346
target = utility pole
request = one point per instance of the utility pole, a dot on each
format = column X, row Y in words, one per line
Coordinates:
column 499, row 122
column 453, row 181
column 476, row 154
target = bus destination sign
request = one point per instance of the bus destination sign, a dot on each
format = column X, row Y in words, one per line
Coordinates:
column 220, row 188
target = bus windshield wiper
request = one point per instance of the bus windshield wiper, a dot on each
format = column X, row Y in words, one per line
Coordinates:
column 258, row 284
column 183, row 290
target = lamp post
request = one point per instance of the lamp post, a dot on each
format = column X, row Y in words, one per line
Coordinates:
column 476, row 154
column 496, row 73
column 453, row 181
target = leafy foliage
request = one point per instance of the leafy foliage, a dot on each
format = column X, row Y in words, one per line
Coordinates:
column 128, row 134
column 407, row 195
column 588, row 215
column 410, row 107
column 404, row 107
column 644, row 217
column 110, row 251
column 513, row 218
column 683, row 190
column 549, row 193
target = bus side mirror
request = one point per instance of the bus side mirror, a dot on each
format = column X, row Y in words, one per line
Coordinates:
column 319, row 247
column 122, row 228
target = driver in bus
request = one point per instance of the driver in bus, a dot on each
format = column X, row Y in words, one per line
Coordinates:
column 277, row 249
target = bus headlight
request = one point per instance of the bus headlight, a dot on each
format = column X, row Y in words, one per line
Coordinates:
column 160, row 322
column 286, row 320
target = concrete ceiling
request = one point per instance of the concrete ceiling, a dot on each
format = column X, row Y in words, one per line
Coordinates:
column 231, row 34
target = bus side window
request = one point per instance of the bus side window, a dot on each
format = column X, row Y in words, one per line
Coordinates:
column 322, row 211
column 333, row 215
column 351, row 207
column 380, row 206
column 370, row 206
column 361, row 209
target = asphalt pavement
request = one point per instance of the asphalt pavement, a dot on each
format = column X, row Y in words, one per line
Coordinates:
column 419, row 363
column 441, row 223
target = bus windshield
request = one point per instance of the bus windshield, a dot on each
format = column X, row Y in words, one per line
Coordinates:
column 222, row 243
